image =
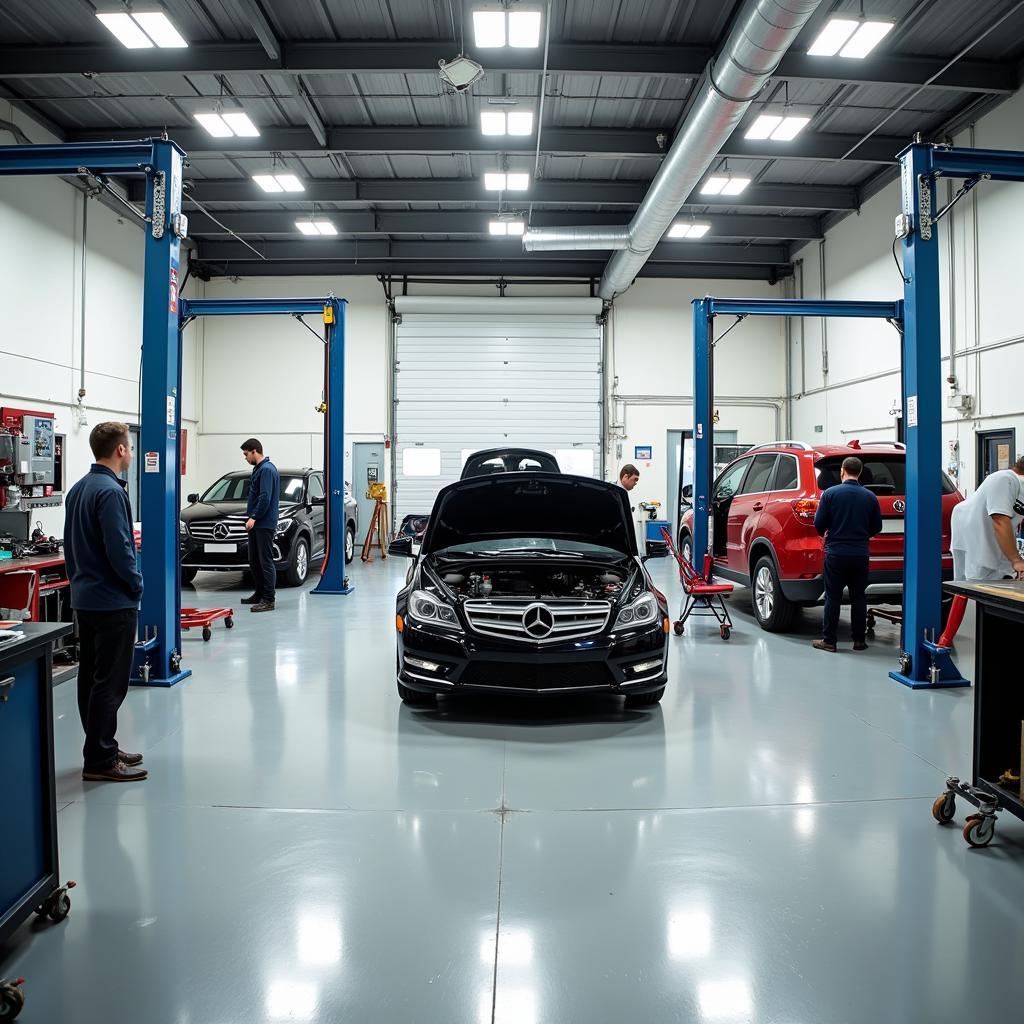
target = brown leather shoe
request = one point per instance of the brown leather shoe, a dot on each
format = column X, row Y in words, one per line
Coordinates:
column 263, row 606
column 860, row 645
column 824, row 645
column 118, row 772
column 129, row 759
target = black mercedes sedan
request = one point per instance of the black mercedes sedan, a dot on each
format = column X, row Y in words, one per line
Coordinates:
column 530, row 583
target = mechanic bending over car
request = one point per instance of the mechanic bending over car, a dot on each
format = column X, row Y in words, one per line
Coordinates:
column 848, row 516
column 984, row 528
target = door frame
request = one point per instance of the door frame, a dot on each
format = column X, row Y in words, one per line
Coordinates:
column 983, row 437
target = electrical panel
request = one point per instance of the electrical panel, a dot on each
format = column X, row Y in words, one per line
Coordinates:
column 28, row 459
column 36, row 450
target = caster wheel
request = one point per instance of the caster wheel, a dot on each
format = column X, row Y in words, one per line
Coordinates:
column 207, row 633
column 57, row 907
column 12, row 999
column 678, row 628
column 979, row 830
column 944, row 808
column 725, row 631
column 229, row 623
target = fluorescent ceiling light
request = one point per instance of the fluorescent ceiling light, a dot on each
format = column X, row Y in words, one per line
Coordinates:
column 520, row 122
column 492, row 122
column 124, row 28
column 833, row 37
column 141, row 30
column 777, row 128
column 524, row 29
column 734, row 186
column 688, row 229
column 460, row 73
column 516, row 227
column 763, row 127
column 713, row 186
column 215, row 125
column 790, row 128
column 866, row 38
column 238, row 121
column 498, row 227
column 489, row 28
column 273, row 182
column 320, row 226
column 267, row 182
column 518, row 182
column 494, row 181
column 158, row 27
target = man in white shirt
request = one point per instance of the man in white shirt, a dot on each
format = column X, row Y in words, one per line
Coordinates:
column 984, row 528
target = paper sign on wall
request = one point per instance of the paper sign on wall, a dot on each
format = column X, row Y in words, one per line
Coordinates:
column 172, row 403
column 642, row 452
column 152, row 462
column 911, row 410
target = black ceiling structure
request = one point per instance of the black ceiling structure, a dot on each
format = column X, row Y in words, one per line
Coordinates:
column 347, row 96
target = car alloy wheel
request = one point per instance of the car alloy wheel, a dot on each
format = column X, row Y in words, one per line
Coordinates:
column 301, row 562
column 764, row 592
column 350, row 544
column 687, row 551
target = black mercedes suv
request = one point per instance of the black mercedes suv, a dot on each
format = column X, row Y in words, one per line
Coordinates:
column 212, row 534
column 530, row 583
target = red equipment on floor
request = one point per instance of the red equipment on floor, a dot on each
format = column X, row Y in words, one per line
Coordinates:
column 703, row 596
column 205, row 617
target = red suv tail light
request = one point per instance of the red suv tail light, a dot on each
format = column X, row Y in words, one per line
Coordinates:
column 804, row 508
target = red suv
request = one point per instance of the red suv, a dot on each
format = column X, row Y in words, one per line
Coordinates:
column 762, row 529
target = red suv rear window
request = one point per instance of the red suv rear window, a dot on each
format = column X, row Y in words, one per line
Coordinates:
column 883, row 474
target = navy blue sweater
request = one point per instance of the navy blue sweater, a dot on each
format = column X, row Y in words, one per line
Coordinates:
column 99, row 544
column 264, row 495
column 848, row 517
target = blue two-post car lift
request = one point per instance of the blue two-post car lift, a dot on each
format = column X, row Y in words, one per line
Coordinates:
column 332, row 310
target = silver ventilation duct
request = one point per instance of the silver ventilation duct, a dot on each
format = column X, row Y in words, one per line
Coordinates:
column 762, row 33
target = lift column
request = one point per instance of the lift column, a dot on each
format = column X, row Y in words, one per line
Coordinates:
column 922, row 419
column 703, row 427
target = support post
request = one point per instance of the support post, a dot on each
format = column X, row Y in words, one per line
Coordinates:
column 333, row 579
column 703, row 428
column 922, row 666
column 158, row 655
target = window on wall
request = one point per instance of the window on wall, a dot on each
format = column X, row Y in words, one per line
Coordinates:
column 421, row 462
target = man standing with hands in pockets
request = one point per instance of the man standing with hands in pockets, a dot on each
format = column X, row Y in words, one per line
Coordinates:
column 262, row 512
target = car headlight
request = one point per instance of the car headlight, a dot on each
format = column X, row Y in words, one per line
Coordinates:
column 428, row 608
column 642, row 612
column 283, row 527
column 182, row 529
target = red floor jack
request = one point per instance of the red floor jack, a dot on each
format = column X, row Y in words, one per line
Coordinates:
column 205, row 617
column 703, row 597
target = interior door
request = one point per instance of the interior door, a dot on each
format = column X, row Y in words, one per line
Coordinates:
column 725, row 490
column 746, row 508
column 316, row 495
column 368, row 467
column 996, row 450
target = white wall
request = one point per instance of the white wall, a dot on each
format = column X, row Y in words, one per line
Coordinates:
column 651, row 372
column 980, row 281
column 40, row 327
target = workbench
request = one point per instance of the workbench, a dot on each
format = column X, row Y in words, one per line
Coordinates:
column 51, row 576
column 29, row 879
column 998, row 709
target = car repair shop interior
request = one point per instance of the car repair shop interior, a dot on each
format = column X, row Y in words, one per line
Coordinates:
column 522, row 739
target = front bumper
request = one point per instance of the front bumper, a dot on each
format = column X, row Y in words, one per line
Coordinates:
column 470, row 663
column 195, row 556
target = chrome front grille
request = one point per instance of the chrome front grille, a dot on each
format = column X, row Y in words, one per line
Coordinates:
column 538, row 622
column 223, row 531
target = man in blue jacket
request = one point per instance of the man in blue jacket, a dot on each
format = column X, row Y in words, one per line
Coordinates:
column 106, row 587
column 262, row 512
column 848, row 517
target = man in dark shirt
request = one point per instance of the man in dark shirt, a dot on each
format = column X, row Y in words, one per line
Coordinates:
column 106, row 587
column 848, row 517
column 262, row 512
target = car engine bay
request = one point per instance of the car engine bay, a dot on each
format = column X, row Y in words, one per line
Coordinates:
column 536, row 582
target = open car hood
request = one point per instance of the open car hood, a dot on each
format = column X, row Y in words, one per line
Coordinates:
column 541, row 505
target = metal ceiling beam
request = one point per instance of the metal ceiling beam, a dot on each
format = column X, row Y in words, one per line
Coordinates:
column 547, row 190
column 251, row 11
column 482, row 269
column 310, row 250
column 404, row 56
column 608, row 142
column 474, row 222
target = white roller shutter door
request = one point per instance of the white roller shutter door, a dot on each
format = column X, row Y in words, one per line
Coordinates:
column 465, row 381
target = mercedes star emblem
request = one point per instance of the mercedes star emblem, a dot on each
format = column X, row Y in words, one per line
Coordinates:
column 538, row 621
column 899, row 505
column 220, row 531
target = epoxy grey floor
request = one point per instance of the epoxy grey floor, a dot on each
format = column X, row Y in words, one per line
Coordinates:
column 759, row 848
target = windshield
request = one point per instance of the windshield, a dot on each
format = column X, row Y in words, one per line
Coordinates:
column 883, row 474
column 538, row 546
column 236, row 488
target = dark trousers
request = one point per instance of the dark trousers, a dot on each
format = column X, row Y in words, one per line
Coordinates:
column 261, row 563
column 846, row 572
column 106, row 642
